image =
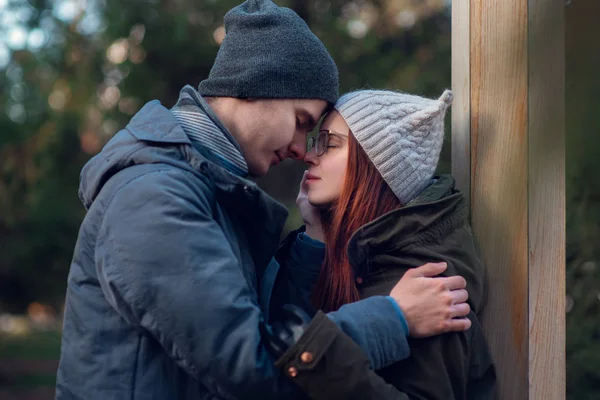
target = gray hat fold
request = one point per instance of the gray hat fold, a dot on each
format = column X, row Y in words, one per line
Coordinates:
column 270, row 52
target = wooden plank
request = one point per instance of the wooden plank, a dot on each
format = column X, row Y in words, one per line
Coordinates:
column 461, row 106
column 547, row 375
column 499, row 179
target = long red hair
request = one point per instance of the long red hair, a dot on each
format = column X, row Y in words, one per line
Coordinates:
column 365, row 197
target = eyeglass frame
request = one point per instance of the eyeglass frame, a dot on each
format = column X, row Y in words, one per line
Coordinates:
column 312, row 141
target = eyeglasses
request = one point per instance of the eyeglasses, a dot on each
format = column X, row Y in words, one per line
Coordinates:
column 320, row 142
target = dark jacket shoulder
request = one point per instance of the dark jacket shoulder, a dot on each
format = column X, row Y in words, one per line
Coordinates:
column 432, row 228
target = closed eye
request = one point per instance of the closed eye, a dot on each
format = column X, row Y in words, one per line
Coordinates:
column 306, row 121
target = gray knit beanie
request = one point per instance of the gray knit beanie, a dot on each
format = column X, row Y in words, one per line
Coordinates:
column 269, row 52
column 402, row 135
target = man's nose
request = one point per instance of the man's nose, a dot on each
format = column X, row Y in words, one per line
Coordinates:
column 297, row 149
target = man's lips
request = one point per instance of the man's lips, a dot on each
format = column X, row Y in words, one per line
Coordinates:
column 277, row 159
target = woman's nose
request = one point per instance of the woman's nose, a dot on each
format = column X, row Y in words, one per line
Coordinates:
column 311, row 157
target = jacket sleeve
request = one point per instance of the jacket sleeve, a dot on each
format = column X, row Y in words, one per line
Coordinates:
column 335, row 368
column 300, row 263
column 165, row 266
column 374, row 324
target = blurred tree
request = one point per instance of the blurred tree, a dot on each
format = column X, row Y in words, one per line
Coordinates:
column 583, row 201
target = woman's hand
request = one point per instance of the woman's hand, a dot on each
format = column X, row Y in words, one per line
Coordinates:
column 310, row 215
column 432, row 305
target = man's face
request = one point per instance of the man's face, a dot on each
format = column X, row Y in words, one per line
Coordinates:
column 271, row 130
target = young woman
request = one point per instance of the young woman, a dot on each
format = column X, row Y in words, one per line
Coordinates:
column 383, row 213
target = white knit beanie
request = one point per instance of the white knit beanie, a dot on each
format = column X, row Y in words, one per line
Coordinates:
column 402, row 135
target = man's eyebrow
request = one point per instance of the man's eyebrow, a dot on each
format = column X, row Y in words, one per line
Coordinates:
column 310, row 119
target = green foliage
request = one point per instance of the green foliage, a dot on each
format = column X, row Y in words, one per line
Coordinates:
column 31, row 381
column 583, row 202
column 43, row 345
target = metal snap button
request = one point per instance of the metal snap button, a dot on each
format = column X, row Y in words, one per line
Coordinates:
column 293, row 372
column 307, row 357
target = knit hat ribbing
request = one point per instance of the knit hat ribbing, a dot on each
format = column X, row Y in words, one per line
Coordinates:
column 270, row 52
column 402, row 135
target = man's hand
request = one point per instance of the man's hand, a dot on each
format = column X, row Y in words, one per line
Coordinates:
column 310, row 215
column 432, row 305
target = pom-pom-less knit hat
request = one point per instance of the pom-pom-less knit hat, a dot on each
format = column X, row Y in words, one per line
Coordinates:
column 270, row 52
column 402, row 135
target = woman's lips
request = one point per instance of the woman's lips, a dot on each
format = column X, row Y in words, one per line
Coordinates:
column 311, row 178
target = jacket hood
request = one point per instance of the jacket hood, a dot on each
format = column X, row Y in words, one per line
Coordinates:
column 141, row 142
column 434, row 227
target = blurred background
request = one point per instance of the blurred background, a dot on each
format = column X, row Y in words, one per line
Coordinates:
column 73, row 72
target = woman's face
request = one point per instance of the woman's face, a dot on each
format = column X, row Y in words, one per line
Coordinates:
column 326, row 173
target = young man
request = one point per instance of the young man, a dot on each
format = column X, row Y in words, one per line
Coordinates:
column 168, row 292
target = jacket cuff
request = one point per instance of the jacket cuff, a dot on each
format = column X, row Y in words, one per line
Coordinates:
column 400, row 314
column 324, row 360
column 307, row 253
column 317, row 337
column 303, row 238
column 374, row 325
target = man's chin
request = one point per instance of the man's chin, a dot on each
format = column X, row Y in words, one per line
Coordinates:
column 254, row 176
column 257, row 173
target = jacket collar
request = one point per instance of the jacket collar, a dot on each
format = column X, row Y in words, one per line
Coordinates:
column 435, row 212
column 259, row 215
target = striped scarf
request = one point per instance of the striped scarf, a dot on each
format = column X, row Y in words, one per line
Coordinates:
column 203, row 128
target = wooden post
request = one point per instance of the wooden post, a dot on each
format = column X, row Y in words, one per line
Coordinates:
column 508, row 123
